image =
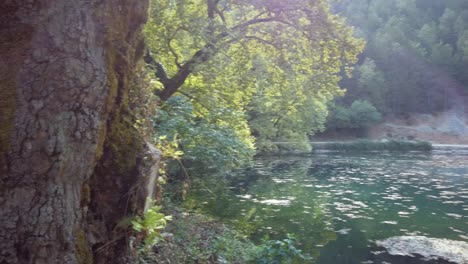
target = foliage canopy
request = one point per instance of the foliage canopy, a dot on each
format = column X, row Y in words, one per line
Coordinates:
column 265, row 68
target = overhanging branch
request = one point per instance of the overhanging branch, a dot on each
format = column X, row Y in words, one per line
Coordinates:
column 264, row 41
column 171, row 85
column 158, row 68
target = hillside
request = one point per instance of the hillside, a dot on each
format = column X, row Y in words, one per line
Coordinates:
column 446, row 127
column 443, row 128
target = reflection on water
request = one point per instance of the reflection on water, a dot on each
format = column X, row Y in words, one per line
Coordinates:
column 336, row 205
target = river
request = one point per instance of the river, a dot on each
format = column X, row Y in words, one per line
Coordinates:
column 337, row 205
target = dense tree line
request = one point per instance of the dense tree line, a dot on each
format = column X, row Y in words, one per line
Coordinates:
column 416, row 57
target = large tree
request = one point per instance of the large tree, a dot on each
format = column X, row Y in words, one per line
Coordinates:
column 71, row 163
column 276, row 62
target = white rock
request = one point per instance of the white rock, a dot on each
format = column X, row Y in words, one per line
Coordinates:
column 429, row 248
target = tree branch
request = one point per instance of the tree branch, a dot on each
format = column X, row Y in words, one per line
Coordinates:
column 176, row 56
column 244, row 25
column 220, row 14
column 211, row 6
column 263, row 41
column 171, row 85
column 160, row 72
column 196, row 100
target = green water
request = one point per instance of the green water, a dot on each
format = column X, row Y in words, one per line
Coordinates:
column 337, row 205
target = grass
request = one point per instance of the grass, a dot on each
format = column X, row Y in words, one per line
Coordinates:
column 370, row 145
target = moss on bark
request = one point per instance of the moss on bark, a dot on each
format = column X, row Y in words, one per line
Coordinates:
column 82, row 248
column 66, row 133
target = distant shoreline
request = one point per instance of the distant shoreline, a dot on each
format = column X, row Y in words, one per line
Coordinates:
column 365, row 145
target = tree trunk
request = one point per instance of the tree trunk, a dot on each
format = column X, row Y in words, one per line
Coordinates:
column 71, row 163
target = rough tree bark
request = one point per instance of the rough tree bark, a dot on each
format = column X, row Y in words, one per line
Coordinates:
column 71, row 163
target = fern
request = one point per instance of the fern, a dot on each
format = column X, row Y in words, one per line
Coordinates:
column 151, row 224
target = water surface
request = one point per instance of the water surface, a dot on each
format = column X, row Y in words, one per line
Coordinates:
column 338, row 204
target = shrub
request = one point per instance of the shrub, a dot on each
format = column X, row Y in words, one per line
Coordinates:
column 210, row 141
column 281, row 252
column 363, row 114
column 151, row 224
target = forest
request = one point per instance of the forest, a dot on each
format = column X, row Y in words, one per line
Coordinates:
column 222, row 131
column 414, row 60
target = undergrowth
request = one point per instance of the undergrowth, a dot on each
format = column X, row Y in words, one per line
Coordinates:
column 196, row 238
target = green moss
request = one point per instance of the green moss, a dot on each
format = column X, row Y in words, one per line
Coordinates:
column 123, row 140
column 85, row 195
column 125, row 145
column 120, row 146
column 83, row 251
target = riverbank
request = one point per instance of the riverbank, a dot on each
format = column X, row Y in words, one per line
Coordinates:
column 196, row 238
column 373, row 145
column 192, row 237
column 369, row 145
